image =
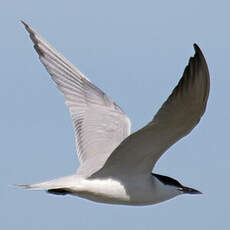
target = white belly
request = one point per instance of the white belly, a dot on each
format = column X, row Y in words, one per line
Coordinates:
column 101, row 190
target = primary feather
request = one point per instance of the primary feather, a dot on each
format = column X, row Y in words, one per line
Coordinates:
column 99, row 123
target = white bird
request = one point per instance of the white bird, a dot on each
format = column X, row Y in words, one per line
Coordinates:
column 116, row 166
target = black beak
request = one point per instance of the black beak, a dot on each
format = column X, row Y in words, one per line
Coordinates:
column 190, row 190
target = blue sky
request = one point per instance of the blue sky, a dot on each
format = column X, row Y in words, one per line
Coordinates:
column 135, row 51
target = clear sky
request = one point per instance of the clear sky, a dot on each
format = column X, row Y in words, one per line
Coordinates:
column 135, row 51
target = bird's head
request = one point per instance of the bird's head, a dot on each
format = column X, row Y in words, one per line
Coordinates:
column 175, row 185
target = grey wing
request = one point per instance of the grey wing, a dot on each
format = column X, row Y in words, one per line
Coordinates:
column 176, row 118
column 99, row 124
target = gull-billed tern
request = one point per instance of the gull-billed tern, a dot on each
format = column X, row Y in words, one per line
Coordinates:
column 116, row 166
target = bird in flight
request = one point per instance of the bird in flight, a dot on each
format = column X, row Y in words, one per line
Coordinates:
column 115, row 165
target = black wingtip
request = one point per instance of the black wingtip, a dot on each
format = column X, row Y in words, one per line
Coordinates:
column 197, row 48
column 199, row 54
column 24, row 23
column 198, row 51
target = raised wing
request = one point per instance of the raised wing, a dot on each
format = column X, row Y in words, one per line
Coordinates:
column 99, row 123
column 176, row 118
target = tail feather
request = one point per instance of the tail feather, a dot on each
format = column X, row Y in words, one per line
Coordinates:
column 38, row 186
column 51, row 185
column 55, row 191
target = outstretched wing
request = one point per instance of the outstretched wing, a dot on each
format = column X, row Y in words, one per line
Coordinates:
column 176, row 118
column 99, row 123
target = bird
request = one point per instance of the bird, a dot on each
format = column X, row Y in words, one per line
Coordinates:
column 116, row 165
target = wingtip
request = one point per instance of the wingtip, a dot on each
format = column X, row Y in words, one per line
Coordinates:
column 27, row 27
column 197, row 48
column 195, row 45
column 24, row 23
column 198, row 53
